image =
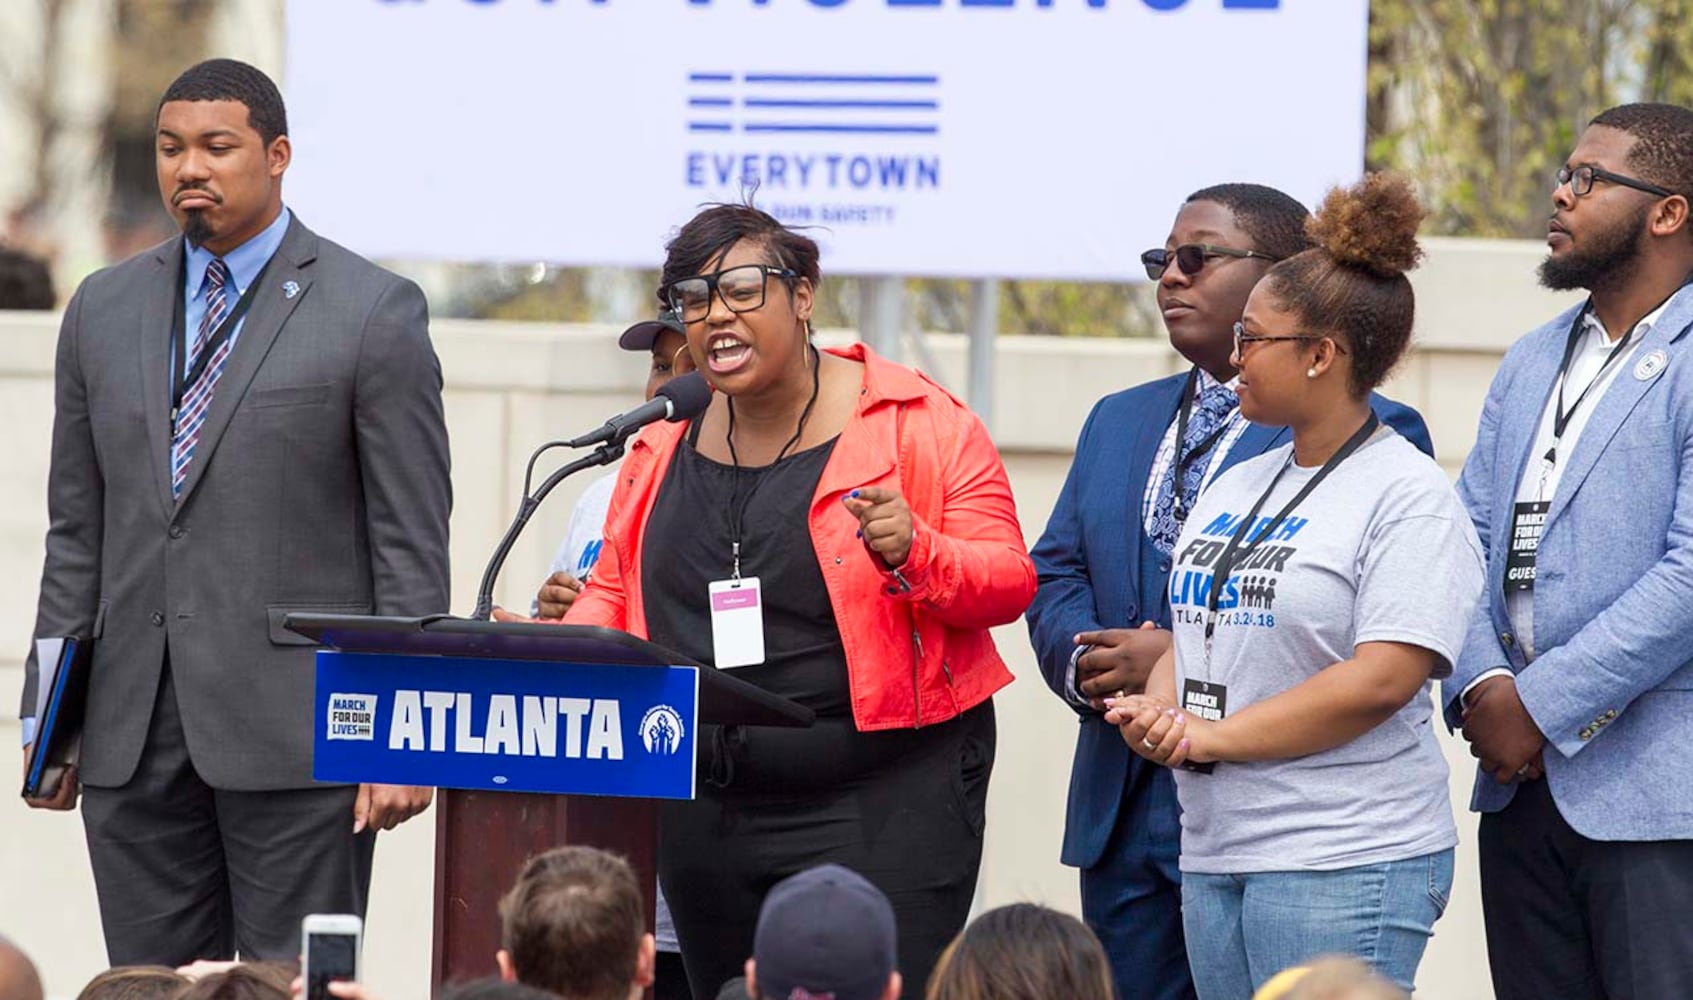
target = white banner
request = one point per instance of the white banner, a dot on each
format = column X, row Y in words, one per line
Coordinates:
column 972, row 138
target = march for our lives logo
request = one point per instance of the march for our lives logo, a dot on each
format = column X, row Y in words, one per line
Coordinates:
column 1248, row 595
column 825, row 147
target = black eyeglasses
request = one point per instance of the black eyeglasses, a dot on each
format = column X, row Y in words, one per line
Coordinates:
column 1242, row 338
column 1581, row 179
column 741, row 289
column 1191, row 258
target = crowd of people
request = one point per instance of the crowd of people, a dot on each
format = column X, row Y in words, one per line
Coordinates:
column 1251, row 583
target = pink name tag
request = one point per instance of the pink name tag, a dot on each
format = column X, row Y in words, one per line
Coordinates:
column 729, row 600
column 737, row 623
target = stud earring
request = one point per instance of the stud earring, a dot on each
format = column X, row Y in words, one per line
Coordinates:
column 1310, row 373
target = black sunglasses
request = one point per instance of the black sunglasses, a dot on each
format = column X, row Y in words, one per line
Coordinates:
column 1580, row 179
column 1191, row 258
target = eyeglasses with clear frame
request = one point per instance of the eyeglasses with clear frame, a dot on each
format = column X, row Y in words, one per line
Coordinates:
column 1191, row 258
column 1242, row 339
column 741, row 288
column 1581, row 178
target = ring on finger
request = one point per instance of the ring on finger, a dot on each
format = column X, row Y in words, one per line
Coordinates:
column 1148, row 743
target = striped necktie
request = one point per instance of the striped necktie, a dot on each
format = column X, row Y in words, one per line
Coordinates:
column 197, row 399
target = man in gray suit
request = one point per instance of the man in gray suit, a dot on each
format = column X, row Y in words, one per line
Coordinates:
column 247, row 423
column 1575, row 686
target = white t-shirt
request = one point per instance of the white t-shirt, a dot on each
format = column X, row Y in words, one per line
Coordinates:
column 580, row 549
column 1380, row 551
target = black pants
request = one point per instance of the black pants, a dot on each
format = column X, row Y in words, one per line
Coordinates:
column 1581, row 919
column 186, row 871
column 912, row 827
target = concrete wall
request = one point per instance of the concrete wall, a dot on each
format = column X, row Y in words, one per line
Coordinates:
column 510, row 386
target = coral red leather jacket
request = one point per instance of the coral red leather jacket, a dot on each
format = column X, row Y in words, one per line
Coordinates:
column 917, row 645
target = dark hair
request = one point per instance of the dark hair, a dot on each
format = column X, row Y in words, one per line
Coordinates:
column 25, row 282
column 1274, row 220
column 573, row 923
column 495, row 989
column 252, row 981
column 1352, row 284
column 1022, row 952
column 1663, row 142
column 134, row 982
column 229, row 80
column 711, row 233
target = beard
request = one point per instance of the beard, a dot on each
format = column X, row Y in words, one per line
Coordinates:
column 196, row 228
column 1610, row 259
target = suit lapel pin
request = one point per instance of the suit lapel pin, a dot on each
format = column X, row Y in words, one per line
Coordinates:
column 1650, row 365
column 290, row 289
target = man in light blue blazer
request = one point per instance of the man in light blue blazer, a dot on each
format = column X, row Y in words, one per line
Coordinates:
column 1101, row 617
column 1575, row 687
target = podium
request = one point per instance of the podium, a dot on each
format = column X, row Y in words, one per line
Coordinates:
column 483, row 837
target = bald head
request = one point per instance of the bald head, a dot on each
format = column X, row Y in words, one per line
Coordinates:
column 18, row 979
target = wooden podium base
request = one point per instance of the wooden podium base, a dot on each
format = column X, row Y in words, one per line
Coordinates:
column 482, row 841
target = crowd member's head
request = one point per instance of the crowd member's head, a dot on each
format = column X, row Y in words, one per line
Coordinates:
column 134, row 982
column 18, row 978
column 1620, row 202
column 254, row 981
column 666, row 339
column 25, row 282
column 495, row 989
column 1326, row 326
column 826, row 932
column 742, row 284
column 1333, row 978
column 221, row 148
column 1223, row 240
column 573, row 926
column 1022, row 952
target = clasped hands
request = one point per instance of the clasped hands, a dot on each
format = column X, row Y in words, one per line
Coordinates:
column 1160, row 731
column 1501, row 733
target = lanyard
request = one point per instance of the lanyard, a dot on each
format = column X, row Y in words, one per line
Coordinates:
column 1560, row 416
column 180, row 383
column 1234, row 554
column 737, row 503
column 1179, row 461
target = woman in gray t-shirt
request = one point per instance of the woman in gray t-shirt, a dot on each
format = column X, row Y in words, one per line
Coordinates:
column 1317, row 590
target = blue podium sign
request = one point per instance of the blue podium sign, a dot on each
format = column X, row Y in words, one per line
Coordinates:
column 506, row 725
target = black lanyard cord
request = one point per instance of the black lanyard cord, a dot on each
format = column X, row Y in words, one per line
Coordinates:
column 1234, row 555
column 738, row 504
column 181, row 383
column 1180, row 461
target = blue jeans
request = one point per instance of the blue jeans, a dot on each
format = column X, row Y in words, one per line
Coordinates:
column 1243, row 929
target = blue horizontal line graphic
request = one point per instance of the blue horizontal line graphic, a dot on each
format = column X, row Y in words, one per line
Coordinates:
column 711, row 78
column 858, row 129
column 763, row 102
column 837, row 78
column 711, row 102
column 709, row 127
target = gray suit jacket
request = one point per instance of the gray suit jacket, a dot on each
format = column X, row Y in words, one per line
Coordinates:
column 320, row 482
column 1612, row 686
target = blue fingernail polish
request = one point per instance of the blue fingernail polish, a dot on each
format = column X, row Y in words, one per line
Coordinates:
column 859, row 533
column 854, row 493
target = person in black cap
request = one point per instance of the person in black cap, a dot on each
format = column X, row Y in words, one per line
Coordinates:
column 826, row 932
column 665, row 340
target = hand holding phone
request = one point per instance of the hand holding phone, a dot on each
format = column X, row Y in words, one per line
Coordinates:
column 329, row 950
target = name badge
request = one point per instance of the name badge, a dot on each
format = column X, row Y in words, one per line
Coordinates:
column 737, row 622
column 1527, row 521
column 1204, row 700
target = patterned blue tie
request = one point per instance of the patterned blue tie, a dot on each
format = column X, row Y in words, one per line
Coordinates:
column 1210, row 412
column 198, row 397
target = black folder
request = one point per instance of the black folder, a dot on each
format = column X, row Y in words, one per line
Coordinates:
column 58, row 723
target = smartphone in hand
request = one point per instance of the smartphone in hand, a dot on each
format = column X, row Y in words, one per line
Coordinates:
column 329, row 949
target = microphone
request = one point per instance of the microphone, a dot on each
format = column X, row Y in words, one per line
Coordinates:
column 681, row 398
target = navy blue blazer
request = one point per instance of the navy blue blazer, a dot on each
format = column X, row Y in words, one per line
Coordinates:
column 1097, row 569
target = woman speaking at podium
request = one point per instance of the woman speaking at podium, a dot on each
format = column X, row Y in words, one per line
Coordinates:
column 838, row 530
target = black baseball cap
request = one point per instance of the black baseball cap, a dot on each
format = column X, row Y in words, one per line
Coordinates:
column 825, row 932
column 643, row 335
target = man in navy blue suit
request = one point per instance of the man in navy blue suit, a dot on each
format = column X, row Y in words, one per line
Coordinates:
column 1101, row 618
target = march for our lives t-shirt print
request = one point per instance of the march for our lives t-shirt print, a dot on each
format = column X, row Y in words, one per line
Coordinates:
column 1248, row 597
